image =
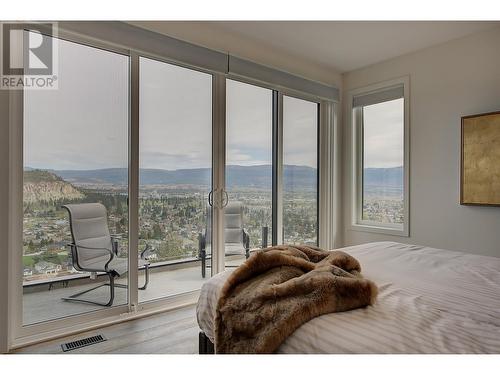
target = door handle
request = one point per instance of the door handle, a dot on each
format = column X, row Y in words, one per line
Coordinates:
column 210, row 198
column 224, row 204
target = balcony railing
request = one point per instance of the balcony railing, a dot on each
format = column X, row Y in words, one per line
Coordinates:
column 172, row 264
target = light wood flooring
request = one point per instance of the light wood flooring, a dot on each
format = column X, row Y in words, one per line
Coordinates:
column 172, row 332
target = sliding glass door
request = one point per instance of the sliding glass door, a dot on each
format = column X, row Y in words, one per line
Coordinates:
column 249, row 170
column 75, row 152
column 175, row 177
column 271, row 167
column 300, row 171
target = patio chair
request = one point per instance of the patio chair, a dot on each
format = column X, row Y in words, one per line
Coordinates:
column 236, row 239
column 94, row 250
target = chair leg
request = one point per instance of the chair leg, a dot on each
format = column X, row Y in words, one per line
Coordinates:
column 111, row 284
column 203, row 263
column 146, row 275
column 146, row 282
column 111, row 289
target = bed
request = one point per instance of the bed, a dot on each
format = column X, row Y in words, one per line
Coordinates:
column 430, row 301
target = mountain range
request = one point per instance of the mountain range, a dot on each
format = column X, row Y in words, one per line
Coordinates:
column 259, row 176
column 387, row 177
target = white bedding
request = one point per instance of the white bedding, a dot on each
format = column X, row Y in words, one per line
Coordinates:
column 430, row 301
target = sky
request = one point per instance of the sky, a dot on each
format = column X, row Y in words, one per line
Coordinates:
column 248, row 124
column 84, row 123
column 383, row 134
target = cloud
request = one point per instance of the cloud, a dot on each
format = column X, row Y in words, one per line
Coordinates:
column 383, row 134
column 300, row 126
column 84, row 124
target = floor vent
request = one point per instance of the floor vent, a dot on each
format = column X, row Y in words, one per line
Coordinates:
column 83, row 342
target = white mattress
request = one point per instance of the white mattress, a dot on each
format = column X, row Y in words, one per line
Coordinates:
column 430, row 301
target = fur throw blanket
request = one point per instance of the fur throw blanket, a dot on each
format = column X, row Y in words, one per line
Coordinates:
column 280, row 288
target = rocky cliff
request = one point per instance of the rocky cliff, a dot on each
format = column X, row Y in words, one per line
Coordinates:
column 44, row 186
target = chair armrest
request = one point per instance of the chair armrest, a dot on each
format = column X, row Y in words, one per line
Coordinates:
column 148, row 250
column 114, row 244
column 111, row 253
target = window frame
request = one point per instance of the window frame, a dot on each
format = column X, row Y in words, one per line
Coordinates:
column 274, row 153
column 319, row 163
column 356, row 122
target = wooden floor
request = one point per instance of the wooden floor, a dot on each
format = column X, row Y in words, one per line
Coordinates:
column 173, row 332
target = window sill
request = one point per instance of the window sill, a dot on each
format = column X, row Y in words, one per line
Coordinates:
column 373, row 228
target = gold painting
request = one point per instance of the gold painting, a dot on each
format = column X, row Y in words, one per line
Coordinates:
column 480, row 171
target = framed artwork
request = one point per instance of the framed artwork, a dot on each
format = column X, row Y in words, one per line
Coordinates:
column 480, row 164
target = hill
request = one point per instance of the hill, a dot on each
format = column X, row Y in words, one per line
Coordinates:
column 41, row 185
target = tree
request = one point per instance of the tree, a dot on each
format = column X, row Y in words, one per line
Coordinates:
column 118, row 228
column 52, row 258
column 119, row 209
column 157, row 232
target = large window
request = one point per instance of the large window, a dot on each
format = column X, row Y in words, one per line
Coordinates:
column 380, row 149
column 300, row 171
column 75, row 151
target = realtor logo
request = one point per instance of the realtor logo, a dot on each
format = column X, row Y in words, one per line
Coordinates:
column 28, row 56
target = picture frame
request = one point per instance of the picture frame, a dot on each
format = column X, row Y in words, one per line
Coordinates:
column 480, row 160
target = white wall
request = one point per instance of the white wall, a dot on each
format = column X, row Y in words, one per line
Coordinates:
column 461, row 77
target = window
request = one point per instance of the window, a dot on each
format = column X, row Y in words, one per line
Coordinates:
column 380, row 160
column 75, row 151
column 249, row 129
column 300, row 171
column 175, row 159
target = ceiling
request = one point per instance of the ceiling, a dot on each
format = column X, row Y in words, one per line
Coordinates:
column 341, row 46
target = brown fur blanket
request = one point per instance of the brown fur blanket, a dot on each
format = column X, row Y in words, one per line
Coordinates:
column 278, row 289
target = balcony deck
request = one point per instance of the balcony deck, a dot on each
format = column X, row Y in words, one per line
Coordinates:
column 41, row 304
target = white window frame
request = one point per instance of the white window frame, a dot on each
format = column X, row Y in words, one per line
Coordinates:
column 356, row 122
